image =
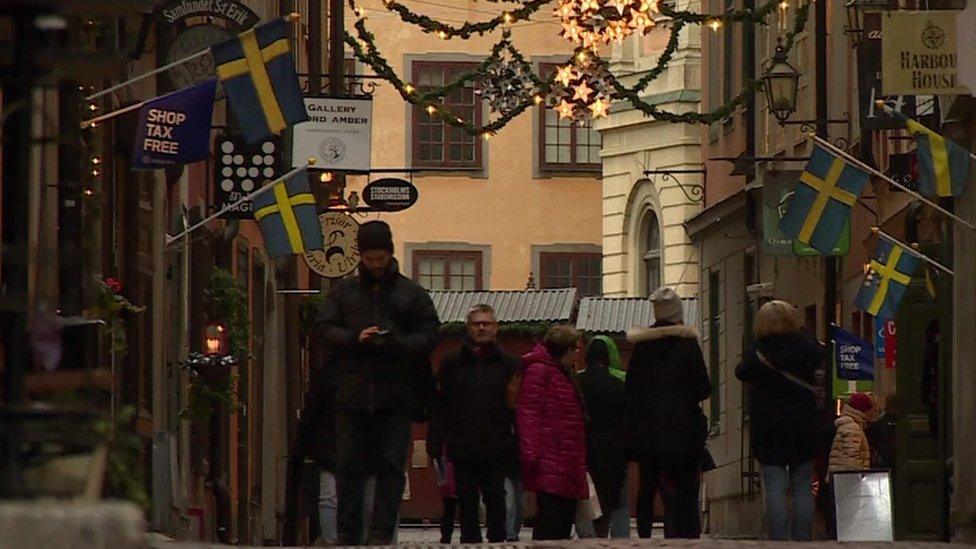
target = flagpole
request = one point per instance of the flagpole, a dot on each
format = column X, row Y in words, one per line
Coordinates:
column 261, row 190
column 826, row 144
column 888, row 110
column 290, row 17
column 86, row 123
column 911, row 250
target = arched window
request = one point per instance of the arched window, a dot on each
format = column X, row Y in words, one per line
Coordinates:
column 651, row 252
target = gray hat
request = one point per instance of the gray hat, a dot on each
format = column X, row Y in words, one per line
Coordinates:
column 667, row 305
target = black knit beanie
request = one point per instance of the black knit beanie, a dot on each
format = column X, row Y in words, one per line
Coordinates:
column 375, row 235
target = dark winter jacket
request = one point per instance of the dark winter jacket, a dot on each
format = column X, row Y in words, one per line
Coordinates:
column 666, row 381
column 470, row 414
column 552, row 438
column 784, row 417
column 606, row 434
column 383, row 372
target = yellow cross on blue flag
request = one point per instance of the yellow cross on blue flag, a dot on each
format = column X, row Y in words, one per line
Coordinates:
column 288, row 217
column 257, row 71
column 822, row 200
column 943, row 166
column 888, row 277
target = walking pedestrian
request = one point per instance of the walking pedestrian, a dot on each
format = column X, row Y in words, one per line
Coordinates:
column 475, row 423
column 382, row 325
column 606, row 436
column 552, row 439
column 784, row 418
column 666, row 381
column 448, row 490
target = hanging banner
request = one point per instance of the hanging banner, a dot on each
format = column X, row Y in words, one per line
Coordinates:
column 890, row 345
column 919, row 53
column 338, row 134
column 240, row 169
column 341, row 254
column 777, row 192
column 853, row 356
column 869, row 81
column 196, row 25
column 175, row 128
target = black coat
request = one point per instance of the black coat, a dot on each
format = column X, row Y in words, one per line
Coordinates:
column 471, row 416
column 384, row 372
column 666, row 381
column 606, row 433
column 785, row 421
column 315, row 433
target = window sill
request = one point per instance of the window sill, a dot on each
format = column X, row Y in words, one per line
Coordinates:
column 458, row 171
column 550, row 172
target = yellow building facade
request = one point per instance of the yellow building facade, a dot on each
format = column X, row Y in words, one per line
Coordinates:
column 492, row 213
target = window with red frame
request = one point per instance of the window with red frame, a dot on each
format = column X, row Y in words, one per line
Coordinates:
column 447, row 269
column 437, row 144
column 583, row 271
column 564, row 144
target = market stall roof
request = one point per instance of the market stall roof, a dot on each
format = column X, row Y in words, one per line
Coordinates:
column 615, row 315
column 510, row 306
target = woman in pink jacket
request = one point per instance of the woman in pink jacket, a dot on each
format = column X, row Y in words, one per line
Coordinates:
column 552, row 440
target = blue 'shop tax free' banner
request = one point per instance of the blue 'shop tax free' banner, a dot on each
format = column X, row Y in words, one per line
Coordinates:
column 854, row 356
column 175, row 128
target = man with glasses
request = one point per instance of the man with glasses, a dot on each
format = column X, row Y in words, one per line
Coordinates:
column 474, row 425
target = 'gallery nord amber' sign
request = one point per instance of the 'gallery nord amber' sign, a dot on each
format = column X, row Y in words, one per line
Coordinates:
column 919, row 53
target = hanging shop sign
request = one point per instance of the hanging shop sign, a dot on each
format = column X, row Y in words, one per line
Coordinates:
column 196, row 25
column 390, row 194
column 340, row 255
column 777, row 192
column 338, row 134
column 240, row 169
column 853, row 356
column 870, row 82
column 918, row 51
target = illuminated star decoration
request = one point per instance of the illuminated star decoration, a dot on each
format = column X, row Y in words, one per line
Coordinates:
column 506, row 85
column 565, row 109
column 583, row 92
column 599, row 108
column 564, row 75
column 590, row 23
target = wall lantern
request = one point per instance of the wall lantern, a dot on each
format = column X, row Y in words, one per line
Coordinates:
column 780, row 84
column 215, row 339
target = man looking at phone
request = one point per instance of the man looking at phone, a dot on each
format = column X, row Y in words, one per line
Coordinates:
column 382, row 325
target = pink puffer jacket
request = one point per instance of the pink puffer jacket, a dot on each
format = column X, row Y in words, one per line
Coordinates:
column 552, row 440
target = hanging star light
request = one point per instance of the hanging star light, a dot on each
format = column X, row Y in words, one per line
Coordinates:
column 506, row 85
column 582, row 89
column 565, row 109
column 591, row 23
column 583, row 92
column 599, row 108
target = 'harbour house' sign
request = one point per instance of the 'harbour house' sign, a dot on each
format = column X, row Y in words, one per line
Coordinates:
column 919, row 53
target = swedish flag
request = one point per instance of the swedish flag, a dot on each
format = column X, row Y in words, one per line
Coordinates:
column 258, row 74
column 822, row 200
column 943, row 166
column 887, row 279
column 288, row 217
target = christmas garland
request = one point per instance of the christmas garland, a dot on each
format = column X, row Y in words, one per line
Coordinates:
column 365, row 49
column 466, row 30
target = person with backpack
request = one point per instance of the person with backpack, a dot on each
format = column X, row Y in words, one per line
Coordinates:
column 552, row 436
column 784, row 416
column 666, row 382
column 474, row 425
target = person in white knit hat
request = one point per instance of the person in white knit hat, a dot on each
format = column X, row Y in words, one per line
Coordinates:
column 666, row 381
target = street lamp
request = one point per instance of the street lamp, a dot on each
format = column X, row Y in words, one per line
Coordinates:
column 780, row 84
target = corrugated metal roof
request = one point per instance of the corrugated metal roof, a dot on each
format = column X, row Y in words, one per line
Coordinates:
column 510, row 306
column 618, row 314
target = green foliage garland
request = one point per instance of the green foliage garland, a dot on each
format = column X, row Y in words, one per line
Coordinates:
column 365, row 49
column 466, row 30
column 228, row 304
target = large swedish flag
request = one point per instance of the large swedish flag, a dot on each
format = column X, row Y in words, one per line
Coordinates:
column 288, row 217
column 886, row 281
column 943, row 166
column 822, row 200
column 258, row 74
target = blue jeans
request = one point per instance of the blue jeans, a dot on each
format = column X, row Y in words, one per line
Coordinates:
column 514, row 507
column 620, row 517
column 777, row 479
column 328, row 507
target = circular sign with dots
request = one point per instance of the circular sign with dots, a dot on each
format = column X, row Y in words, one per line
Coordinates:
column 240, row 169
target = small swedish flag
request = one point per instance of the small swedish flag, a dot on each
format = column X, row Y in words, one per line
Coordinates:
column 822, row 200
column 943, row 166
column 288, row 217
column 887, row 279
column 258, row 73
